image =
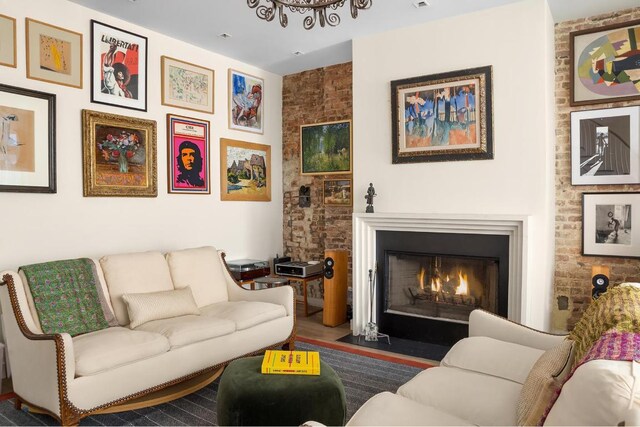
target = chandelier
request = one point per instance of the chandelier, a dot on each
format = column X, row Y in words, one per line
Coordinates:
column 321, row 10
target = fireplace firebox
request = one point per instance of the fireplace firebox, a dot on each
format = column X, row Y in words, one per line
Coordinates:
column 428, row 283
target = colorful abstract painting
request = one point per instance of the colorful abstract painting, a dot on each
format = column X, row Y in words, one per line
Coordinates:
column 246, row 111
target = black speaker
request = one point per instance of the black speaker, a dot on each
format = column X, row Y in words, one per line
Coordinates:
column 600, row 284
column 328, row 267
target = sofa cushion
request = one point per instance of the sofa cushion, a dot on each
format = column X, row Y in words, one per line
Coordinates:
column 477, row 398
column 109, row 348
column 388, row 409
column 185, row 330
column 245, row 314
column 143, row 308
column 134, row 273
column 542, row 382
column 202, row 270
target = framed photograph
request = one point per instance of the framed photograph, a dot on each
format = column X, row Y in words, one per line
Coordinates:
column 442, row 117
column 245, row 171
column 118, row 67
column 326, row 148
column 604, row 64
column 610, row 224
column 605, row 146
column 54, row 54
column 245, row 102
column 337, row 192
column 119, row 155
column 186, row 85
column 27, row 141
column 8, row 46
column 188, row 155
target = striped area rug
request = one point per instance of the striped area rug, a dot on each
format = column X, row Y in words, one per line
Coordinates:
column 361, row 375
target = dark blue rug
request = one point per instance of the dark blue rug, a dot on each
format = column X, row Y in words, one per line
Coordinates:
column 361, row 376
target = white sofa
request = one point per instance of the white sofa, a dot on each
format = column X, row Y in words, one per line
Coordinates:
column 480, row 380
column 72, row 377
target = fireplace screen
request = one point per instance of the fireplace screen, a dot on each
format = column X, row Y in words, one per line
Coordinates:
column 440, row 287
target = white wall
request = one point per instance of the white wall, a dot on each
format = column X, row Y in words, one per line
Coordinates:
column 40, row 227
column 514, row 39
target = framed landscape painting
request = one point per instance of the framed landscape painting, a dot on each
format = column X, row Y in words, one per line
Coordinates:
column 119, row 155
column 245, row 171
column 187, row 85
column 118, row 67
column 604, row 64
column 337, row 192
column 246, row 111
column 326, row 148
column 188, row 155
column 610, row 224
column 8, row 47
column 605, row 146
column 27, row 141
column 54, row 54
column 442, row 117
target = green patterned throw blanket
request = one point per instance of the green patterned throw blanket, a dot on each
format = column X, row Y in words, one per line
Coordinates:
column 68, row 297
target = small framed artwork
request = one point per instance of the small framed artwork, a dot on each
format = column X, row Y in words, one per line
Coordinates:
column 188, row 155
column 337, row 192
column 8, row 47
column 610, row 224
column 54, row 54
column 27, row 141
column 605, row 146
column 326, row 148
column 443, row 117
column 245, row 102
column 245, row 171
column 186, row 85
column 604, row 64
column 118, row 67
column 119, row 155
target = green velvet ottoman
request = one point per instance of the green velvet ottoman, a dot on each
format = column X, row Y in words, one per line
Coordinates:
column 247, row 397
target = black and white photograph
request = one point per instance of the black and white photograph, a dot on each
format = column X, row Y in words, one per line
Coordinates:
column 607, row 224
column 604, row 146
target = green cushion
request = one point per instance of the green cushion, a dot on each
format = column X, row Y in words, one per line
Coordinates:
column 248, row 397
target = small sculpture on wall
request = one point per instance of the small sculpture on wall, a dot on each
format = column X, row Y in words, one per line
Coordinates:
column 304, row 196
column 371, row 193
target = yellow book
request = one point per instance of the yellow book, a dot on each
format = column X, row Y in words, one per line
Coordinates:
column 291, row 362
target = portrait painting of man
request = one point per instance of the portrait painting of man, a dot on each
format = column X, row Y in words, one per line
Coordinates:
column 188, row 155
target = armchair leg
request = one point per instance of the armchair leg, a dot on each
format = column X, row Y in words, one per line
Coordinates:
column 289, row 346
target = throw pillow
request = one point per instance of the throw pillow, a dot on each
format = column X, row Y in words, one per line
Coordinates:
column 545, row 377
column 143, row 308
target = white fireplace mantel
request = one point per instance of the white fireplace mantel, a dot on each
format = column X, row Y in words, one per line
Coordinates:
column 365, row 226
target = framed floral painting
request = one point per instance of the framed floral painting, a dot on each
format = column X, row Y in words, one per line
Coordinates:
column 186, row 85
column 188, row 155
column 119, row 155
column 246, row 110
column 245, row 171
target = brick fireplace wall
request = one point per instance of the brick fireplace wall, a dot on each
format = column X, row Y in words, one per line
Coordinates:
column 572, row 282
column 315, row 96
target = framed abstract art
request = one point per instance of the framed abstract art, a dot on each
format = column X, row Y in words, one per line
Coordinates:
column 246, row 107
column 186, row 85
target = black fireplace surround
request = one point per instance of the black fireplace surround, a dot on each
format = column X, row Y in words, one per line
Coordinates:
column 436, row 244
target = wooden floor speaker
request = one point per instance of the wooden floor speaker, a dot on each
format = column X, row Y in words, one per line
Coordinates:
column 335, row 287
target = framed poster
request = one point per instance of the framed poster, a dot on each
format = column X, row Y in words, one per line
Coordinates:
column 604, row 64
column 610, row 224
column 245, row 171
column 442, row 117
column 245, row 102
column 119, row 155
column 188, row 155
column 186, row 85
column 326, row 148
column 54, row 54
column 605, row 146
column 337, row 192
column 118, row 67
column 8, row 46
column 27, row 140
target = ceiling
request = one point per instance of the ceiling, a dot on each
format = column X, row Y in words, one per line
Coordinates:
column 269, row 46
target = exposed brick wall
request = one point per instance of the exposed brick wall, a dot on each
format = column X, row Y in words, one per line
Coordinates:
column 315, row 96
column 572, row 284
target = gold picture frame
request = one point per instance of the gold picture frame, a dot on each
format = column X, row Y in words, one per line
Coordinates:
column 186, row 85
column 337, row 192
column 317, row 157
column 54, row 54
column 8, row 55
column 118, row 155
column 245, row 171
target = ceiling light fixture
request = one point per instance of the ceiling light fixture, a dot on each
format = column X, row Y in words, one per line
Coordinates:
column 320, row 8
